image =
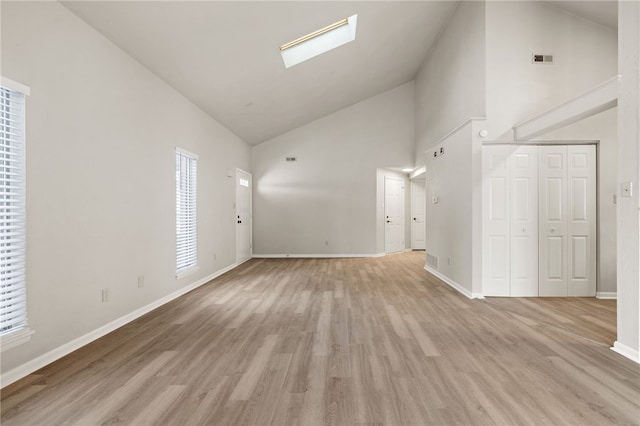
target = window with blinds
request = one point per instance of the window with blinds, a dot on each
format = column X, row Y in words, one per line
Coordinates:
column 13, row 298
column 186, row 211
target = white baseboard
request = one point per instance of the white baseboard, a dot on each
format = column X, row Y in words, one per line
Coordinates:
column 57, row 353
column 626, row 351
column 313, row 256
column 453, row 284
column 606, row 295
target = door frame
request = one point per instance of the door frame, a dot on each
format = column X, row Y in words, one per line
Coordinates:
column 402, row 214
column 568, row 143
column 238, row 174
column 413, row 183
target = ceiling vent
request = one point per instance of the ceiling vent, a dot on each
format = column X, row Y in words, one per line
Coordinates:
column 541, row 59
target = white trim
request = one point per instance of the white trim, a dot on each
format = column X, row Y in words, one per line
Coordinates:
column 57, row 353
column 453, row 284
column 418, row 173
column 185, row 272
column 626, row 351
column 606, row 295
column 14, row 85
column 455, row 130
column 595, row 100
column 314, row 256
column 549, row 142
column 17, row 338
column 185, row 152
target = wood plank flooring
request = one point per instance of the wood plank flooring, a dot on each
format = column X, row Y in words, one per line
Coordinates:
column 341, row 342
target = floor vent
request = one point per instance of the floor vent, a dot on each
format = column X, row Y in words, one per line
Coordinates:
column 432, row 261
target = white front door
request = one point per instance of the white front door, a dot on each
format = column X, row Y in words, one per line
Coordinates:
column 394, row 214
column 418, row 207
column 243, row 216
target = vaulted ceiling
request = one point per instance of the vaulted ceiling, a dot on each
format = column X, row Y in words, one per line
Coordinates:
column 224, row 57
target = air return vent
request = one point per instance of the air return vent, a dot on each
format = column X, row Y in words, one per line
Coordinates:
column 432, row 261
column 538, row 58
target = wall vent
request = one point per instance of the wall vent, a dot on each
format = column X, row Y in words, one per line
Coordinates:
column 290, row 159
column 537, row 58
column 432, row 260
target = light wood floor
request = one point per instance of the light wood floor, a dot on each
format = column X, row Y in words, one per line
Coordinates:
column 341, row 341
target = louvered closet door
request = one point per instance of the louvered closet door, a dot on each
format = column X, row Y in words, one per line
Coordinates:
column 524, row 222
column 496, row 220
column 581, row 243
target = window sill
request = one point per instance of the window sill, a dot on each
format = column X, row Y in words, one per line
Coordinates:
column 16, row 338
column 186, row 272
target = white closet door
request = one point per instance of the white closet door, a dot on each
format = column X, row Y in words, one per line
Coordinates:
column 524, row 222
column 553, row 221
column 496, row 220
column 581, row 248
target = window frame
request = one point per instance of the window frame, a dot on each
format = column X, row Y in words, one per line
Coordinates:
column 192, row 193
column 21, row 334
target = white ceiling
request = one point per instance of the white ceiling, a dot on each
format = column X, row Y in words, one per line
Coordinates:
column 224, row 57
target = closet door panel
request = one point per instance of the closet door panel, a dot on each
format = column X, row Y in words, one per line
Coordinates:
column 581, row 220
column 553, row 250
column 496, row 217
column 524, row 221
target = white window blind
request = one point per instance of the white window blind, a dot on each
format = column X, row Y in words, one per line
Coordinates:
column 186, row 211
column 13, row 300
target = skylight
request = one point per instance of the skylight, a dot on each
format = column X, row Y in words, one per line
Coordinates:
column 319, row 42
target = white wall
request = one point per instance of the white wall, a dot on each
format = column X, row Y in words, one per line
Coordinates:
column 601, row 127
column 449, row 224
column 450, row 85
column 628, row 341
column 101, row 132
column 585, row 55
column 325, row 202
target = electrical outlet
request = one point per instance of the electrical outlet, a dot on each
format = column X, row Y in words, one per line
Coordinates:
column 140, row 281
column 105, row 295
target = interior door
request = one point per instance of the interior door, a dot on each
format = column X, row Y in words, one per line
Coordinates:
column 553, row 221
column 524, row 222
column 243, row 216
column 581, row 246
column 496, row 217
column 418, row 207
column 394, row 214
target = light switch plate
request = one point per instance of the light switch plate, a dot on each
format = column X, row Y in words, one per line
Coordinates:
column 627, row 189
